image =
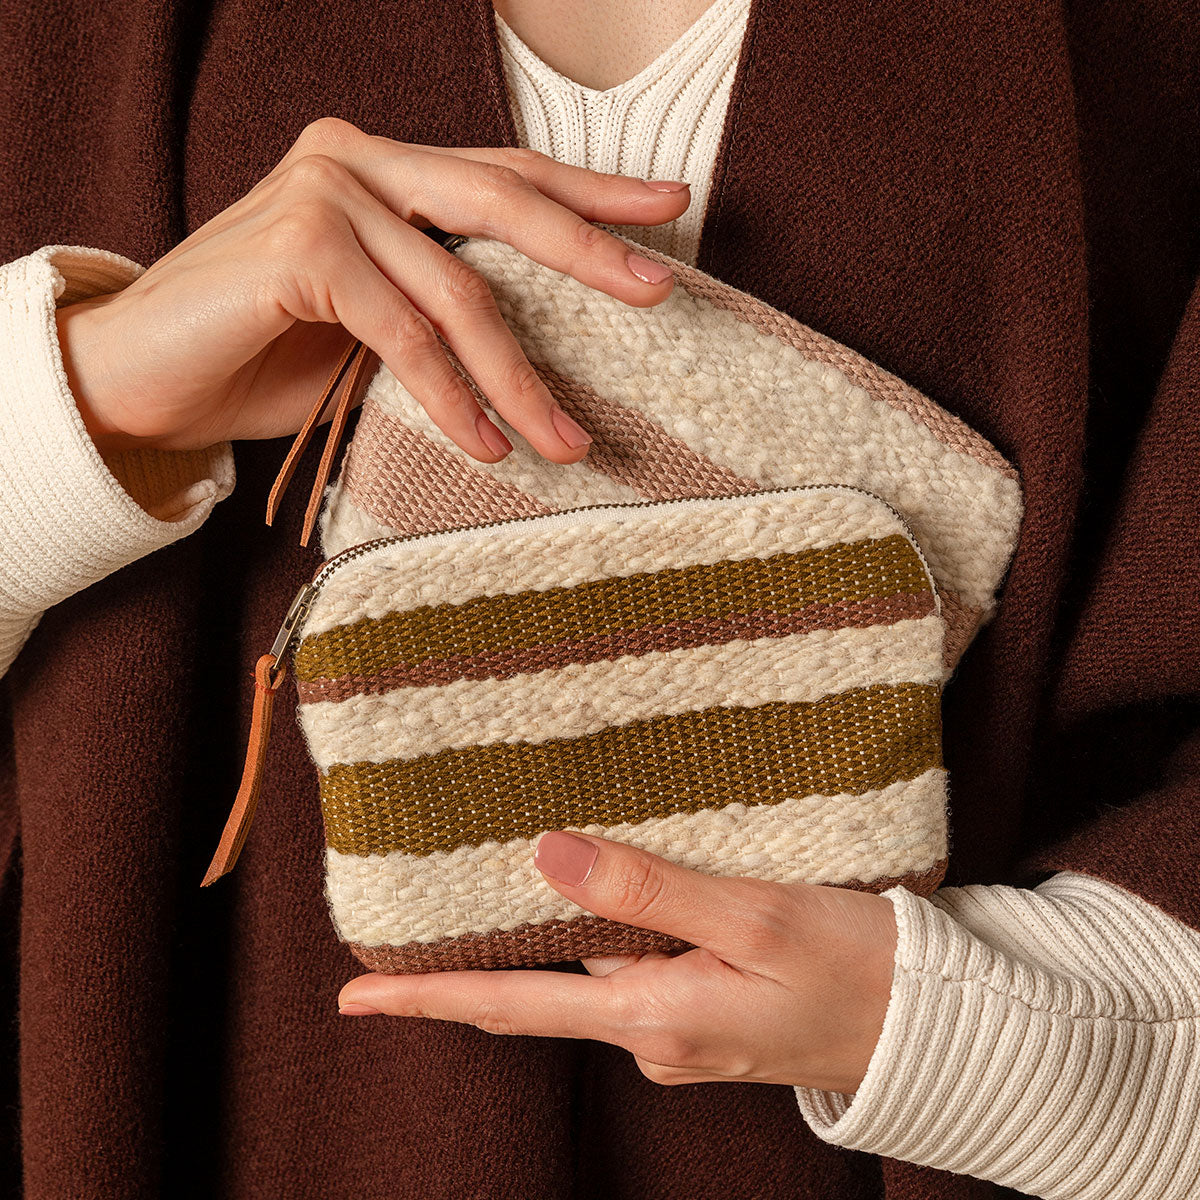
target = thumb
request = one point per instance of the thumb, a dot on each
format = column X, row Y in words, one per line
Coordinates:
column 624, row 883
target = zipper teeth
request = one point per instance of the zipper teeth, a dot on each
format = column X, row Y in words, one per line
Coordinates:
column 349, row 555
column 289, row 634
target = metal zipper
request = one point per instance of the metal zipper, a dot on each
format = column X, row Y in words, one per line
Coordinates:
column 297, row 611
column 289, row 632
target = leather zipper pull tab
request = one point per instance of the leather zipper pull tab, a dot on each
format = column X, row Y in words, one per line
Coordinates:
column 347, row 374
column 304, row 435
column 337, row 426
column 266, row 683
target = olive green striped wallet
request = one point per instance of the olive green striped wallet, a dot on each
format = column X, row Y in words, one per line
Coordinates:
column 721, row 636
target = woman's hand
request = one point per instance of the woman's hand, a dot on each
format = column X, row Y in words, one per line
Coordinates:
column 232, row 333
column 789, row 982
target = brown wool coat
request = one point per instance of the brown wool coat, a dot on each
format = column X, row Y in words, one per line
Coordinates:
column 997, row 202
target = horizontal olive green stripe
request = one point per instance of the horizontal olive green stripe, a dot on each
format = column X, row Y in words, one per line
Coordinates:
column 607, row 647
column 682, row 762
column 784, row 582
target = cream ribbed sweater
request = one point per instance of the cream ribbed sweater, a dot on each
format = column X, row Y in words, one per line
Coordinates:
column 1045, row 1039
column 67, row 518
column 663, row 123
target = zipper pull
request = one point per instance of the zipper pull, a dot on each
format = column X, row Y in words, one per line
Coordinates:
column 348, row 373
column 289, row 630
column 269, row 673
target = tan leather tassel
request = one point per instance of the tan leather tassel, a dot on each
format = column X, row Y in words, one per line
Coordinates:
column 270, row 672
column 304, row 436
column 337, row 426
column 348, row 374
column 266, row 683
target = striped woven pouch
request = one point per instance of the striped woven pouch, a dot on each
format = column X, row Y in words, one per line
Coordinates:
column 721, row 636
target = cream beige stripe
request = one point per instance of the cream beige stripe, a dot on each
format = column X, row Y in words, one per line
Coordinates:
column 952, row 431
column 965, row 513
column 517, row 557
column 412, row 721
column 556, row 485
column 344, row 524
column 562, row 941
column 395, row 898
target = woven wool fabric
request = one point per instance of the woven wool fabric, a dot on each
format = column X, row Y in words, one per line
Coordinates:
column 748, row 684
column 710, row 392
column 750, row 688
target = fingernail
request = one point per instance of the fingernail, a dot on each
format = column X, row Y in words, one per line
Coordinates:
column 497, row 443
column 358, row 1010
column 571, row 433
column 564, row 857
column 665, row 185
column 645, row 270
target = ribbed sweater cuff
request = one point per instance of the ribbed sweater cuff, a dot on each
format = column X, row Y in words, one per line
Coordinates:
column 67, row 517
column 1046, row 1040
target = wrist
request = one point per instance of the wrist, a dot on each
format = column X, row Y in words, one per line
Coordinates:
column 81, row 340
column 865, row 965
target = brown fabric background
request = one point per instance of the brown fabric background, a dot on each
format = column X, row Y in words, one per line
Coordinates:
column 998, row 203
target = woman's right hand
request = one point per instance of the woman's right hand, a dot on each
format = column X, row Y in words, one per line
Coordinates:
column 234, row 331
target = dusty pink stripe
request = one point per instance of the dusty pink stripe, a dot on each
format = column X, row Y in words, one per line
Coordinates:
column 880, row 384
column 674, row 635
column 961, row 624
column 409, row 482
column 636, row 451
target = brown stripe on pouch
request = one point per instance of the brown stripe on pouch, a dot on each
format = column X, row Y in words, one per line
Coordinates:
column 847, row 743
column 634, row 450
column 673, row 635
column 784, row 582
column 410, row 483
column 565, row 941
column 860, row 371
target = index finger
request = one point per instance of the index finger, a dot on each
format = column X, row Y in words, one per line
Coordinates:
column 592, row 194
column 481, row 198
column 536, row 1003
column 537, row 205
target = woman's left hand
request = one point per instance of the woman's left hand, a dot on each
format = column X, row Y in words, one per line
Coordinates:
column 789, row 983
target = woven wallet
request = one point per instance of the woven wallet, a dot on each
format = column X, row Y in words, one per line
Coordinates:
column 721, row 636
column 747, row 685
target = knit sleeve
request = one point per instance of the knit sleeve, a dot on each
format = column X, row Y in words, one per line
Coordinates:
column 1044, row 1039
column 69, row 517
column 1047, row 1038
